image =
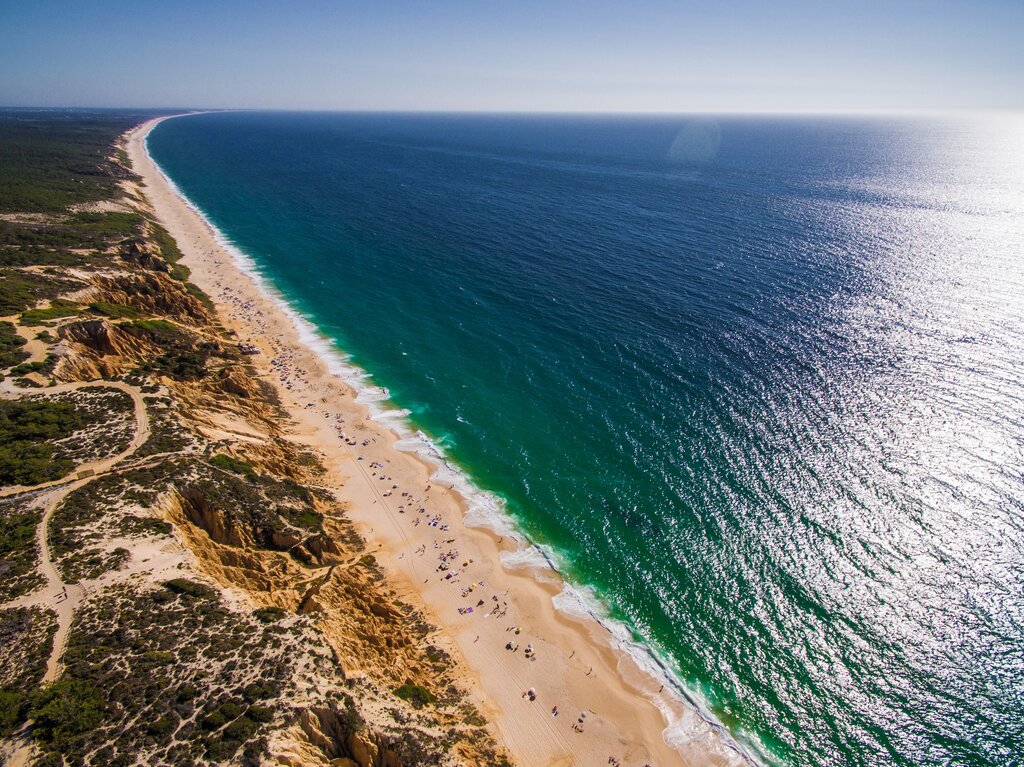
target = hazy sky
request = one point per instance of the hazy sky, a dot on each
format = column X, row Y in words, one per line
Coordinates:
column 783, row 55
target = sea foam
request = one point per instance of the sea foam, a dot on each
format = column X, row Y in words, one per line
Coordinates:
column 485, row 510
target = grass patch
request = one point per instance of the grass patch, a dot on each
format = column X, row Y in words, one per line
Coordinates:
column 49, row 160
column 19, row 554
column 114, row 311
column 11, row 351
column 26, row 428
column 226, row 462
column 160, row 329
column 21, row 290
column 418, row 696
column 58, row 309
column 66, row 708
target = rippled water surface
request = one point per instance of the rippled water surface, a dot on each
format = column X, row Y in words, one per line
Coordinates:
column 759, row 383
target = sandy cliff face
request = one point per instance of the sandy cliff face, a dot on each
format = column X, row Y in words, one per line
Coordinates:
column 153, row 293
column 219, row 496
column 96, row 349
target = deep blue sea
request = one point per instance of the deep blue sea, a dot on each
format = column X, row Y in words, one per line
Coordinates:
column 757, row 383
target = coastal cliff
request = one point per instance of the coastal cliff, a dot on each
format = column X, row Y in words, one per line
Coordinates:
column 182, row 586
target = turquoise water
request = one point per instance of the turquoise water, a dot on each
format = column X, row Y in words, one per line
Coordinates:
column 758, row 383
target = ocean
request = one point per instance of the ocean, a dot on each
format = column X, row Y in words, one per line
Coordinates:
column 756, row 385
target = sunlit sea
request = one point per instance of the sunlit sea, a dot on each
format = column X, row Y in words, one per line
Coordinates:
column 757, row 385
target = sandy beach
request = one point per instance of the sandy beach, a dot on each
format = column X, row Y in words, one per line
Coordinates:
column 554, row 688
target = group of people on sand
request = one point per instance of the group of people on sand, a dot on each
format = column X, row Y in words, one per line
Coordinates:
column 450, row 566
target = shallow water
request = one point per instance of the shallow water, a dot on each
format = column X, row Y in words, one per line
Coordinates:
column 759, row 383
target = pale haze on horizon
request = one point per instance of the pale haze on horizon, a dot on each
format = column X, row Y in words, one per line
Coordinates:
column 529, row 56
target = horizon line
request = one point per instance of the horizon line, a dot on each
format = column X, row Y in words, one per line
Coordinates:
column 810, row 112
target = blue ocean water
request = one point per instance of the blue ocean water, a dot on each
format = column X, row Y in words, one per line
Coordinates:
column 757, row 382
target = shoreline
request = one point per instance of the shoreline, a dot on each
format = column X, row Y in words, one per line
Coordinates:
column 631, row 719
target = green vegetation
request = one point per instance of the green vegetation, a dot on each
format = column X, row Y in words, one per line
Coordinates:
column 81, row 521
column 19, row 554
column 21, row 290
column 11, row 352
column 166, row 434
column 109, row 425
column 26, row 636
column 264, row 506
column 26, row 428
column 35, row 255
column 113, row 224
column 193, row 290
column 114, row 311
column 226, row 462
column 418, row 696
column 159, row 330
column 157, row 674
column 11, row 711
column 169, row 250
column 67, row 235
column 368, row 560
column 306, row 519
column 66, row 708
column 188, row 588
column 43, row 367
column 58, row 309
column 185, row 357
column 269, row 614
column 178, row 655
column 48, row 164
column 172, row 255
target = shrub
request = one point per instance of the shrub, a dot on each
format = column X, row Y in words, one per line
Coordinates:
column 66, row 708
column 50, row 164
column 185, row 587
column 12, row 705
column 262, row 714
column 39, row 366
column 226, row 462
column 58, row 309
column 115, row 311
column 21, row 290
column 269, row 614
column 415, row 694
column 11, row 352
column 25, row 429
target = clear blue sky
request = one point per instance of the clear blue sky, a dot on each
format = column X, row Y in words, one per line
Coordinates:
column 594, row 55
